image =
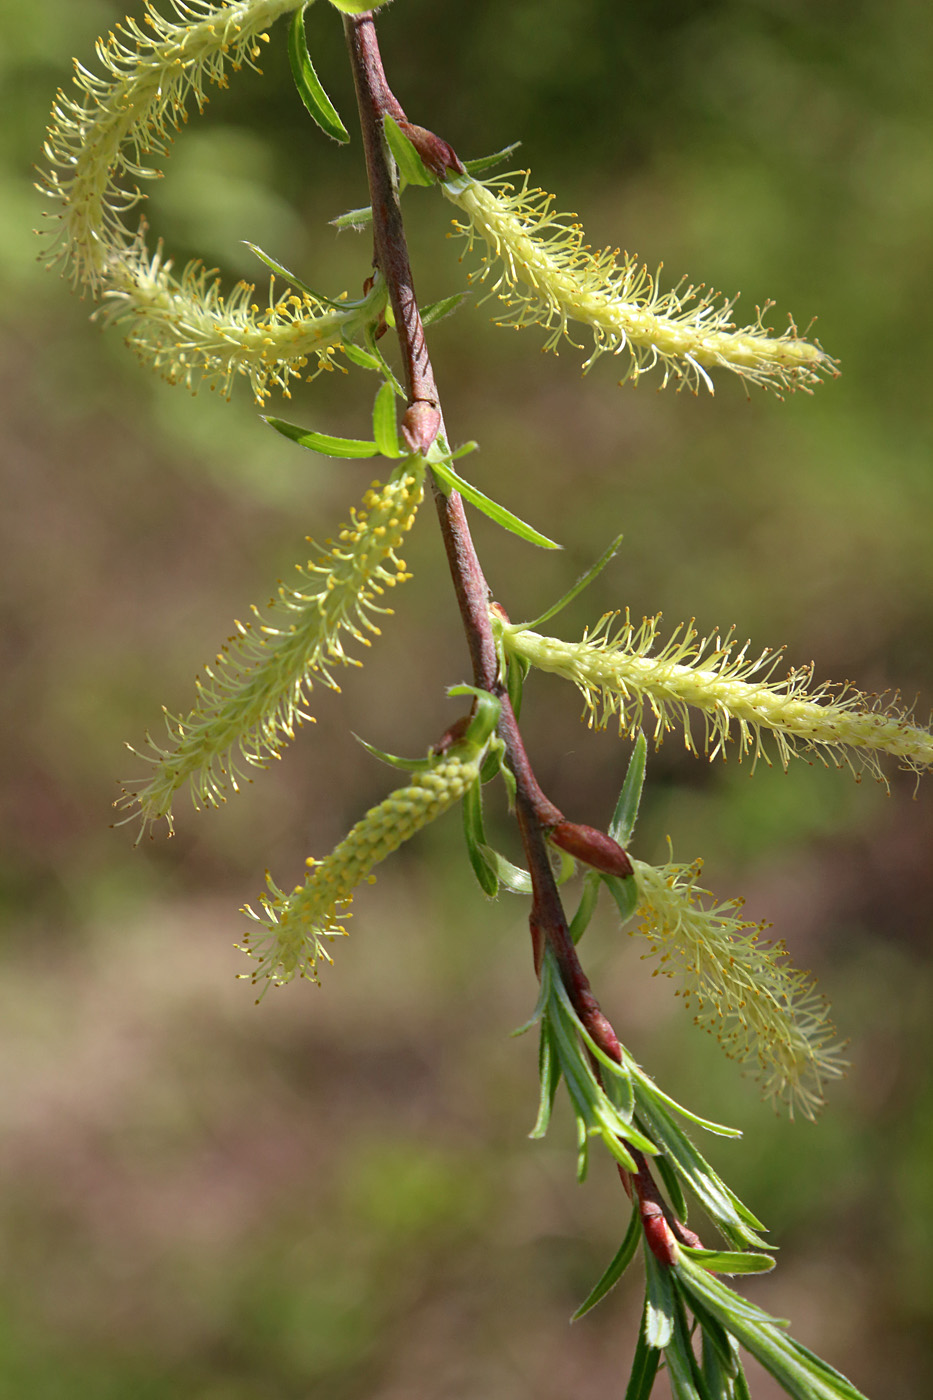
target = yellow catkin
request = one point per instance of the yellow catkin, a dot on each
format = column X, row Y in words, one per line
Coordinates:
column 734, row 697
column 763, row 1011
column 101, row 144
column 292, row 934
column 256, row 692
column 546, row 274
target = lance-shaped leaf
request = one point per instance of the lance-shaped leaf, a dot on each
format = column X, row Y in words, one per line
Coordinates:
column 451, row 479
column 617, row 1267
column 308, row 84
column 324, row 443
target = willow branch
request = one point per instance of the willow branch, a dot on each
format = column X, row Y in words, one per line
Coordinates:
column 537, row 815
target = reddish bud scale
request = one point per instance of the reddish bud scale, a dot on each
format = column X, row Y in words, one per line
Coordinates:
column 438, row 155
column 420, row 425
column 658, row 1233
column 593, row 847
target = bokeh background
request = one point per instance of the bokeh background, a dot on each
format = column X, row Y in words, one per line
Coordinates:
column 333, row 1193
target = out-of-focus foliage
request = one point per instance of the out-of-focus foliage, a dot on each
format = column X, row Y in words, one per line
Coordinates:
column 332, row 1194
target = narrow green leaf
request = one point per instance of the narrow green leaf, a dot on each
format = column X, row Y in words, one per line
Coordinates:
column 694, row 1170
column 498, row 513
column 718, row 1381
column 323, row 443
column 476, row 841
column 549, row 1073
column 439, row 310
column 512, row 877
column 659, row 1303
column 582, row 582
column 583, row 1150
column 720, row 1352
column 410, row 165
column 645, row 1364
column 372, row 345
column 464, row 450
column 518, row 669
column 622, row 826
column 308, row 84
column 671, row 1184
column 508, row 778
column 617, row 1148
column 588, row 900
column 727, row 1306
column 357, row 219
column 362, row 358
column 474, row 167
column 740, row 1388
column 620, row 1262
column 625, row 893
column 404, row 765
column 727, row 1262
column 288, row 276
column 385, row 429
column 720, row 1130
column 682, row 1370
column 802, row 1374
column 686, row 1378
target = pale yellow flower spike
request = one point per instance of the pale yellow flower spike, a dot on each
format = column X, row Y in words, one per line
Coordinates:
column 735, row 697
column 292, row 935
column 762, row 1010
column 102, row 143
column 547, row 275
column 257, row 690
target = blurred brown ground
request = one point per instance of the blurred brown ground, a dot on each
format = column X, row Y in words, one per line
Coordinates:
column 333, row 1194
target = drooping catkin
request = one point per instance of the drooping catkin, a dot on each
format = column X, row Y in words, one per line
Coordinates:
column 539, row 265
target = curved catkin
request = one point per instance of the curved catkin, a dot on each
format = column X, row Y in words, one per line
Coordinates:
column 764, row 1012
column 101, row 144
column 546, row 274
column 256, row 692
column 734, row 697
column 292, row 934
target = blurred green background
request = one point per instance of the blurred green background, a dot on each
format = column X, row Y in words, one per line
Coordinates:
column 333, row 1194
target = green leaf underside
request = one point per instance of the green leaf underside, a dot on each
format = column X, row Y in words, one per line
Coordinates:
column 730, row 1263
column 323, row 443
column 308, row 84
column 623, row 1257
column 498, row 513
column 513, row 877
column 411, row 167
column 659, row 1303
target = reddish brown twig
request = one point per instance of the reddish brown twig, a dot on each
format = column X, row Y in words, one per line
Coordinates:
column 538, row 817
